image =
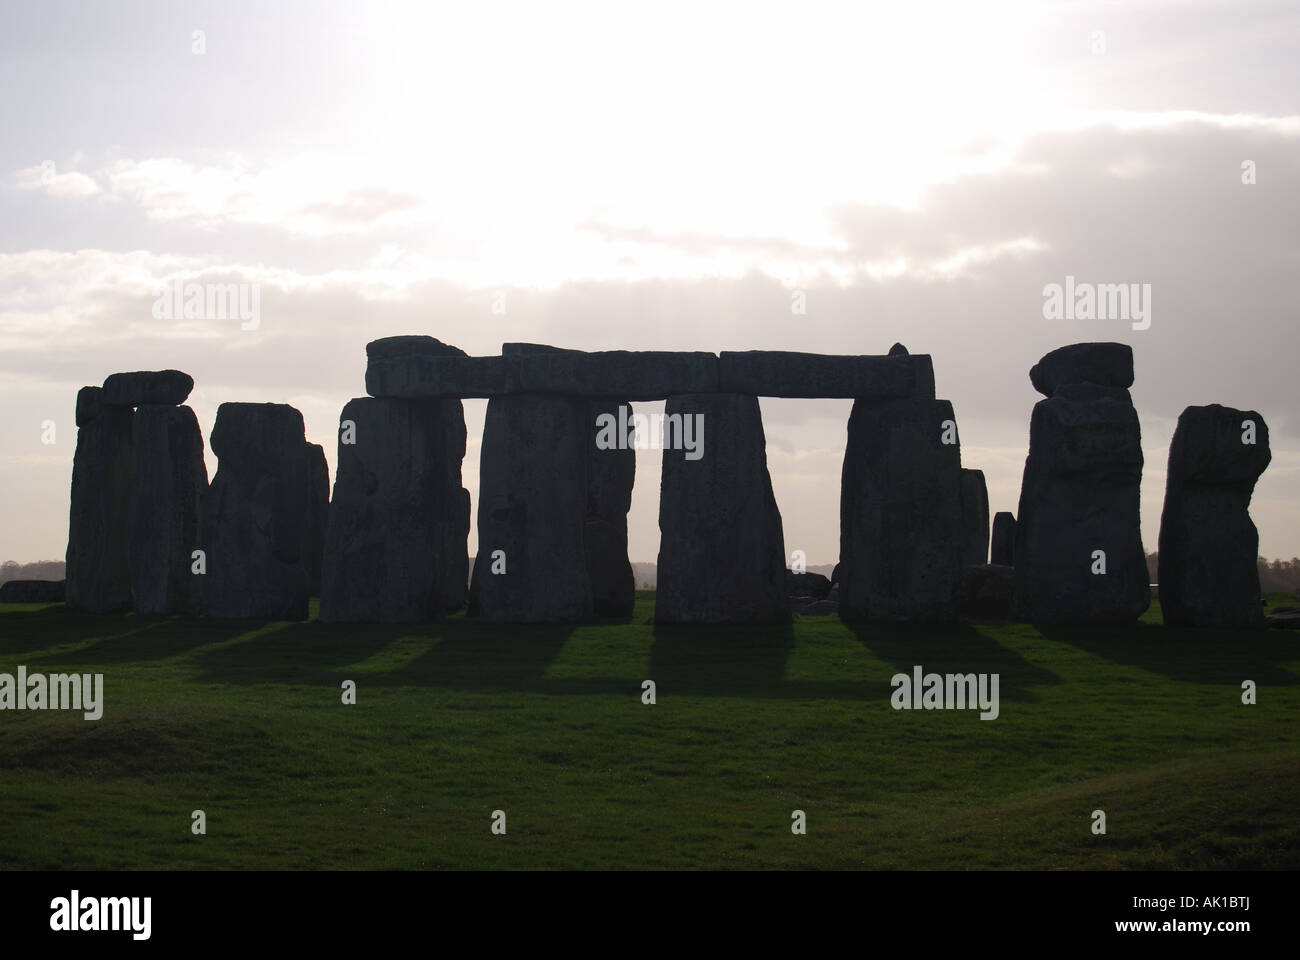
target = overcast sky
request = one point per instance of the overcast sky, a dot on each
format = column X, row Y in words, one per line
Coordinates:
column 661, row 177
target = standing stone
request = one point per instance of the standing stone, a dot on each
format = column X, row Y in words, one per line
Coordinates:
column 169, row 482
column 1078, row 548
column 1208, row 543
column 611, row 471
column 254, row 516
column 98, row 574
column 1105, row 364
column 975, row 518
column 1003, row 550
column 531, row 564
column 318, row 498
column 901, row 518
column 721, row 547
column 392, row 513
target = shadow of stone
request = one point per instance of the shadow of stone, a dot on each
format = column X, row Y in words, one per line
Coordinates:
column 723, row 659
column 1191, row 655
column 951, row 648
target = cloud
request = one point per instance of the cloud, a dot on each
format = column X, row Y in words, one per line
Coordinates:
column 48, row 180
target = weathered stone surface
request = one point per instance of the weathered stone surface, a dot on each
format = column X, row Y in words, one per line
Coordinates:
column 170, row 479
column 1105, row 364
column 778, row 373
column 99, row 578
column 975, row 518
column 1002, row 551
column 533, row 509
column 165, row 387
column 455, row 579
column 318, row 499
column 88, row 405
column 386, row 348
column 396, row 510
column 1277, row 620
column 988, row 591
column 420, row 376
column 1080, row 495
column 611, row 471
column 254, row 515
column 900, row 513
column 807, row 586
column 1208, row 543
column 624, row 375
column 721, row 547
column 33, row 591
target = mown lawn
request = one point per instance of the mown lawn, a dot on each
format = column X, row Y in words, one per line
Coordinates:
column 244, row 721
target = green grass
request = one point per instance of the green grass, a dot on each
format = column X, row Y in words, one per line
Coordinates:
column 244, row 721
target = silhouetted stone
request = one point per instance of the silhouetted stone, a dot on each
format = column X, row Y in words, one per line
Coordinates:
column 88, row 405
column 1208, row 543
column 778, row 373
column 1105, row 364
column 721, row 548
column 318, row 499
column 32, row 591
column 1079, row 495
column 1003, row 549
column 900, row 513
column 620, row 375
column 99, row 578
column 610, row 475
column 397, row 504
column 386, row 348
column 811, row 586
column 988, row 591
column 170, row 479
column 419, row 376
column 533, row 509
column 165, row 387
column 254, row 515
column 975, row 518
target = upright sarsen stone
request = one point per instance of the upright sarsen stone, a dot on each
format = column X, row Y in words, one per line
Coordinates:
column 611, row 471
column 254, row 516
column 98, row 573
column 975, row 518
column 393, row 512
column 531, row 564
column 1002, row 549
column 1078, row 549
column 1208, row 543
column 318, row 498
column 170, row 479
column 901, row 517
column 721, row 547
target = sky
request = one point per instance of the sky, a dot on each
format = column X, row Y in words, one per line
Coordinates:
column 651, row 177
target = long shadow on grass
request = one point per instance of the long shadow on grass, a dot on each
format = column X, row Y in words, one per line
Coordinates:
column 109, row 637
column 952, row 648
column 462, row 654
column 1190, row 655
column 723, row 660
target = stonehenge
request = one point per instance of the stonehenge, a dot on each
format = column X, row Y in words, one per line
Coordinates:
column 254, row 515
column 1208, row 543
column 721, row 548
column 901, row 522
column 1078, row 546
column 389, row 544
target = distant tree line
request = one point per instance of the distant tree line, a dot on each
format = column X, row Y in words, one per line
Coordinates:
column 40, row 570
column 1275, row 576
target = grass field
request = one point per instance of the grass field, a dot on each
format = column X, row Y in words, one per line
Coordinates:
column 244, row 721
